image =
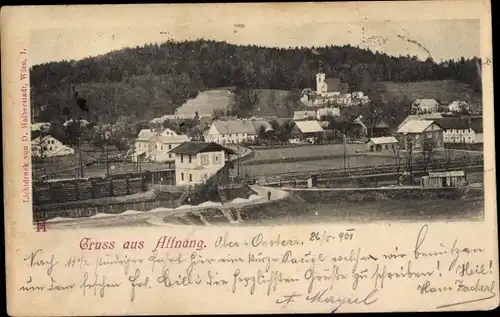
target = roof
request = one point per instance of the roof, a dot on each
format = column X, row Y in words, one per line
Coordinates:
column 463, row 123
column 235, row 126
column 426, row 102
column 415, row 126
column 427, row 116
column 378, row 123
column 384, row 140
column 302, row 115
column 309, row 126
column 48, row 136
column 170, row 139
column 447, row 174
column 147, row 136
column 195, row 147
column 39, row 125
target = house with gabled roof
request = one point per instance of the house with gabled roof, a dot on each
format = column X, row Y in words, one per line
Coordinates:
column 236, row 131
column 307, row 129
column 382, row 144
column 420, row 106
column 458, row 106
column 48, row 146
column 163, row 146
column 197, row 161
column 424, row 116
column 377, row 128
column 420, row 134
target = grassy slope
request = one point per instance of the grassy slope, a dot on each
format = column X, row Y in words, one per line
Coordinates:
column 206, row 102
column 445, row 90
column 270, row 102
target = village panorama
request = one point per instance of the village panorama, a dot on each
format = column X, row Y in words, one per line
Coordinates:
column 204, row 133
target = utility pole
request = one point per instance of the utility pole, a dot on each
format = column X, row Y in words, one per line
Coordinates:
column 80, row 148
column 345, row 153
column 106, row 140
column 410, row 158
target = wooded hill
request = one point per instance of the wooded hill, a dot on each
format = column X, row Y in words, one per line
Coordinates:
column 153, row 80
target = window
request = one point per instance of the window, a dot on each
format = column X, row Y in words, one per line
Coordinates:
column 170, row 156
column 386, row 147
column 182, row 158
column 190, row 177
column 204, row 159
column 162, row 147
column 50, row 148
column 182, row 176
column 170, row 146
column 189, row 158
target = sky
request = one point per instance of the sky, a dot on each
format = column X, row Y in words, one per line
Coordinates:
column 440, row 39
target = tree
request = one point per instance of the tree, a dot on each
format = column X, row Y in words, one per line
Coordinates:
column 72, row 133
column 262, row 132
column 150, row 80
column 217, row 113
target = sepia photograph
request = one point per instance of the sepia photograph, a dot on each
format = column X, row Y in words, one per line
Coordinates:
column 377, row 121
column 249, row 158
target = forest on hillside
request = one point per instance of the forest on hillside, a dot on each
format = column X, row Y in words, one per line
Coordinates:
column 144, row 82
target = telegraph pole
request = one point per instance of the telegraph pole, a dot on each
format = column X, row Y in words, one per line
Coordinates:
column 106, row 139
column 80, row 160
column 345, row 153
column 410, row 158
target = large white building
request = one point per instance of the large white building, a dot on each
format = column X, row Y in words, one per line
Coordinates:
column 417, row 134
column 462, row 130
column 156, row 146
column 196, row 161
column 48, row 146
column 164, row 144
column 420, row 106
column 235, row 131
column 458, row 106
column 328, row 93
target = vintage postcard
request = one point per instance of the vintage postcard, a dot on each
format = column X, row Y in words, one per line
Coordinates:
column 249, row 158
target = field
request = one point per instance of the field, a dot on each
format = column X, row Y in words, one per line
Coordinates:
column 315, row 165
column 305, row 161
column 445, row 90
column 303, row 151
column 206, row 102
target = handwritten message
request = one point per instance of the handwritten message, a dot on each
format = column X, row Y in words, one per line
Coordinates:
column 325, row 268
